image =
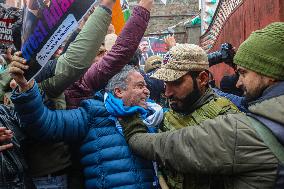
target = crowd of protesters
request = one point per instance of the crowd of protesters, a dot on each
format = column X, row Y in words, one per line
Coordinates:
column 94, row 118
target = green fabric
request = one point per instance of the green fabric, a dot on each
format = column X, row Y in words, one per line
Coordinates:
column 196, row 20
column 272, row 109
column 269, row 139
column 263, row 51
column 45, row 158
column 226, row 145
column 126, row 14
column 57, row 103
column 209, row 107
column 217, row 106
column 132, row 125
column 79, row 55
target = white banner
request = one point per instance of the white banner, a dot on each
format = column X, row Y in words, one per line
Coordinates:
column 164, row 1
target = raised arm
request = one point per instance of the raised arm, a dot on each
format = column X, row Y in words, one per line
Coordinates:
column 79, row 55
column 126, row 44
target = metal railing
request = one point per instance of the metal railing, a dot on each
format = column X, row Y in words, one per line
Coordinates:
column 223, row 11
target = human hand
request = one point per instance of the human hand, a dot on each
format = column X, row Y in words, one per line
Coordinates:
column 9, row 55
column 5, row 135
column 17, row 68
column 110, row 29
column 85, row 18
column 170, row 42
column 108, row 3
column 132, row 125
column 81, row 24
column 147, row 4
column 6, row 99
column 13, row 84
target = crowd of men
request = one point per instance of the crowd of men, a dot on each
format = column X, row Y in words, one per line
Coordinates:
column 93, row 118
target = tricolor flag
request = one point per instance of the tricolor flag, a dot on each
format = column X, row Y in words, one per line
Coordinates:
column 120, row 15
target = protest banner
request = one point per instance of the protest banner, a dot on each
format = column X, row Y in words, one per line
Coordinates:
column 150, row 46
column 46, row 24
column 8, row 16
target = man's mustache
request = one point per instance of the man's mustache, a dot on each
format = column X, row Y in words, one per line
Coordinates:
column 173, row 99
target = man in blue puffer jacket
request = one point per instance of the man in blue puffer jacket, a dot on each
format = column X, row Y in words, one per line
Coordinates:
column 107, row 159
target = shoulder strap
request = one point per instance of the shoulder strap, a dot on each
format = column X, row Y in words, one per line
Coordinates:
column 268, row 138
column 212, row 109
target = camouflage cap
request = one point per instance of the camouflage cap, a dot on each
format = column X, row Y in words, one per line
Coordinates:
column 181, row 59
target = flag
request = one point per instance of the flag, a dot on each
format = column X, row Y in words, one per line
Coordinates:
column 120, row 15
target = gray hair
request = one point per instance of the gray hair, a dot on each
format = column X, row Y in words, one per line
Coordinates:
column 119, row 80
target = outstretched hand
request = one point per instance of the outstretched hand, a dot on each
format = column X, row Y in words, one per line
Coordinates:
column 8, row 55
column 170, row 42
column 132, row 125
column 17, row 69
column 147, row 4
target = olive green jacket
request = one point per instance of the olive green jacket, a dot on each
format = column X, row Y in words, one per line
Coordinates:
column 43, row 157
column 208, row 106
column 70, row 66
column 77, row 59
column 79, row 55
column 226, row 147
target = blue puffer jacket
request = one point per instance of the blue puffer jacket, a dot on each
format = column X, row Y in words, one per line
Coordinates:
column 107, row 159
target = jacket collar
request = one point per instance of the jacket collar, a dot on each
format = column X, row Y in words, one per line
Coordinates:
column 204, row 99
column 271, row 92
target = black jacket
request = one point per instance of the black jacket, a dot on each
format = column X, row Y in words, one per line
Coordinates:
column 13, row 168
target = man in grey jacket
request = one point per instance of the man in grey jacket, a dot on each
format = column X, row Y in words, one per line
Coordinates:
column 237, row 150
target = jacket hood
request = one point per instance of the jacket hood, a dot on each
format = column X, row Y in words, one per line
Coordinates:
column 269, row 109
column 271, row 104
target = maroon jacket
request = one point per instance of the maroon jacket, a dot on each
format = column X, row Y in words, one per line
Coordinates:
column 99, row 73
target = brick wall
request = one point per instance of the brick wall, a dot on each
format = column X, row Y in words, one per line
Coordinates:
column 164, row 16
column 249, row 16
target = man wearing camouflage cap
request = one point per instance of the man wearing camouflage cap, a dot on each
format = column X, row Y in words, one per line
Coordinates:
column 233, row 150
column 191, row 99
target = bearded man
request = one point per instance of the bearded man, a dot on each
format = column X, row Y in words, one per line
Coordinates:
column 233, row 150
column 192, row 101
